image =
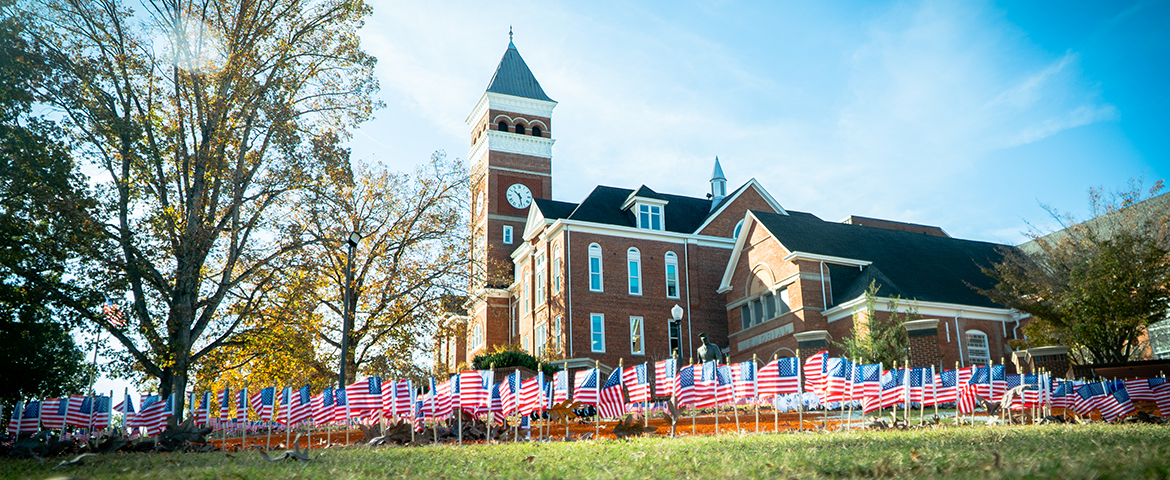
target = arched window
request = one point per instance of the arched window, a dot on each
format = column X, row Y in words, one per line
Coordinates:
column 519, row 129
column 536, row 131
column 557, row 271
column 502, row 126
column 477, row 336
column 634, row 260
column 671, row 275
column 978, row 351
column 595, row 268
column 737, row 227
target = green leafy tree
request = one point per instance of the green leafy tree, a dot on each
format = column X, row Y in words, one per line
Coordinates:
column 201, row 118
column 37, row 180
column 878, row 338
column 1095, row 285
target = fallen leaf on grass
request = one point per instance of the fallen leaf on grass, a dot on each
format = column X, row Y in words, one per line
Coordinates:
column 530, row 458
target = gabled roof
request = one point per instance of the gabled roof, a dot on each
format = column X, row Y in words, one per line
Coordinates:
column 751, row 183
column 553, row 209
column 916, row 266
column 643, row 192
column 604, row 205
column 513, row 77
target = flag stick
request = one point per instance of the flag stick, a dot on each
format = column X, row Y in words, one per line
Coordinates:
column 958, row 393
column 597, row 420
column 287, row 419
column 799, row 394
column 909, row 371
column 849, row 399
column 646, row 403
column 244, row 421
column 492, row 369
column 346, row 424
column 268, row 443
column 18, row 412
column 716, row 396
column 694, row 412
column 516, row 400
column 756, row 397
column 934, row 391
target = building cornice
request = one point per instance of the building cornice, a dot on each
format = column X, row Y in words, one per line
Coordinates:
column 509, row 103
column 638, row 233
column 508, row 142
column 930, row 309
column 815, row 257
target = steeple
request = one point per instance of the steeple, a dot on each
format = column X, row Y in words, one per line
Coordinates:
column 513, row 77
column 718, row 185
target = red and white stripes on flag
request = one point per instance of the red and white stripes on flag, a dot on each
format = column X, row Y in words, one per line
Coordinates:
column 473, row 394
column 80, row 411
column 744, row 376
column 706, row 386
column 53, row 412
column 665, row 373
column 1161, row 394
column 586, row 384
column 364, row 396
column 532, row 395
column 637, row 381
column 612, row 403
column 779, row 377
column 814, row 372
column 560, row 386
column 242, row 404
column 225, row 405
column 403, row 398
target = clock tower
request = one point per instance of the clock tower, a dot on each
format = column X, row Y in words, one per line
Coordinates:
column 511, row 163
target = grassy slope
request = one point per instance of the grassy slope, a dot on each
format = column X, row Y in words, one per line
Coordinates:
column 1095, row 451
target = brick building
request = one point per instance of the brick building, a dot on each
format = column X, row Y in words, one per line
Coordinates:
column 796, row 281
column 596, row 280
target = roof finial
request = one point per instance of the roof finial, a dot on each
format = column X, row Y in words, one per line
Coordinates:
column 509, row 34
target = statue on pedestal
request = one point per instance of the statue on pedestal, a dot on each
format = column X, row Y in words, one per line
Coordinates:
column 709, row 352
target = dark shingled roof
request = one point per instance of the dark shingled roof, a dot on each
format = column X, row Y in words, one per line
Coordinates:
column 553, row 209
column 645, row 192
column 604, row 205
column 914, row 265
column 513, row 77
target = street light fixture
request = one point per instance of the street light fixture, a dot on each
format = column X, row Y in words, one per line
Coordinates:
column 676, row 312
column 347, row 316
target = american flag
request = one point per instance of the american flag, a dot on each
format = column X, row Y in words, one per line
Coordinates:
column 267, row 399
column 510, row 393
column 1062, row 394
column 1142, row 389
column 301, row 406
column 1088, row 398
column 745, row 380
column 1031, row 396
column 854, row 388
column 80, row 411
column 981, row 380
column 869, row 386
column 144, row 402
column 665, row 372
column 980, row 376
column 724, row 384
column 814, row 372
column 254, row 401
column 779, row 377
column 154, row 412
column 612, row 403
column 684, row 393
column 498, row 413
column 53, row 412
column 202, row 413
column 242, row 405
column 948, row 390
column 998, row 381
column 404, row 398
column 917, row 383
column 532, row 398
column 25, row 416
column 893, row 382
column 549, row 394
column 706, row 383
column 225, row 405
column 560, row 386
column 585, row 383
column 340, row 405
column 442, row 400
column 637, row 383
column 1116, row 404
column 472, row 392
column 837, row 370
column 364, row 395
column 101, row 412
column 1162, row 397
column 323, row 407
column 113, row 313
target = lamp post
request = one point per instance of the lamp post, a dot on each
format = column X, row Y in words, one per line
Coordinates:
column 347, row 316
column 676, row 312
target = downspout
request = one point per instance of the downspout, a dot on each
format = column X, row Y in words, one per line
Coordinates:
column 1015, row 333
column 824, row 299
column 569, row 284
column 687, row 262
column 958, row 338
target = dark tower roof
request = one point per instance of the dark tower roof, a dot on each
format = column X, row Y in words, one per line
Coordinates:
column 513, row 77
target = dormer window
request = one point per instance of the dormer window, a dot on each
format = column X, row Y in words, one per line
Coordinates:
column 649, row 216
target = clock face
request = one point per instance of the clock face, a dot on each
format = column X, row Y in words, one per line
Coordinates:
column 519, row 196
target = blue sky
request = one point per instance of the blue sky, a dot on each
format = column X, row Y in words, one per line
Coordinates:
column 964, row 115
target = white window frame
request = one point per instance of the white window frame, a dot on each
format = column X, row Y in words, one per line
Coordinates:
column 557, row 326
column 634, row 266
column 508, row 234
column 557, row 272
column 637, row 336
column 541, row 338
column 595, row 254
column 597, row 332
column 978, row 355
column 476, row 336
column 671, row 261
column 652, row 212
column 524, row 343
column 738, row 226
column 539, row 268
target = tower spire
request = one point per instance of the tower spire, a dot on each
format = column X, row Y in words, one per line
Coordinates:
column 509, row 34
column 718, row 184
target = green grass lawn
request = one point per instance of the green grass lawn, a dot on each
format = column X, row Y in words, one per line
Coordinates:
column 1091, row 451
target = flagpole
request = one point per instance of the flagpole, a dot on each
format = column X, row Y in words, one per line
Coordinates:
column 934, row 391
column 799, row 394
column 734, row 403
column 849, row 397
column 958, row 388
column 288, row 419
column 597, row 420
column 492, row 369
column 756, row 397
column 268, row 443
column 516, row 400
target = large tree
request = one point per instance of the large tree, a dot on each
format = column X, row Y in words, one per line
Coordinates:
column 1094, row 285
column 201, row 118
